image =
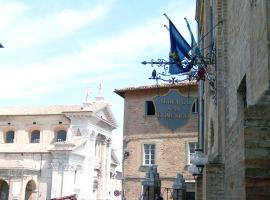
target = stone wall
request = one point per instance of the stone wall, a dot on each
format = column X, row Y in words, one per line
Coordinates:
column 213, row 181
column 257, row 152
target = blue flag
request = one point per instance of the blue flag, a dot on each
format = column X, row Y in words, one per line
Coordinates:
column 179, row 50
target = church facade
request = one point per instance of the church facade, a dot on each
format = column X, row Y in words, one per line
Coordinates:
column 49, row 152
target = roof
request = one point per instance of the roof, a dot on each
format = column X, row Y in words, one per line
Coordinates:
column 122, row 91
column 38, row 110
column 93, row 108
column 49, row 109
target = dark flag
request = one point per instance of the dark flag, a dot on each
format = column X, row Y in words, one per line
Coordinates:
column 179, row 50
column 195, row 51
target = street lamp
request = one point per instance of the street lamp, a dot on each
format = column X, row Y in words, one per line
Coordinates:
column 198, row 161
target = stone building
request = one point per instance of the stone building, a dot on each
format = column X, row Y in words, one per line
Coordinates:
column 54, row 151
column 153, row 136
column 235, row 102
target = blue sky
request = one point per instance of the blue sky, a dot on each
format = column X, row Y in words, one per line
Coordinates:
column 55, row 49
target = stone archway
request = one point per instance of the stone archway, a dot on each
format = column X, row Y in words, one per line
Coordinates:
column 4, row 190
column 30, row 190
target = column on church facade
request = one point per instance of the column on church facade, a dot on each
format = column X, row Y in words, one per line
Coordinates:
column 16, row 189
column 102, row 195
column 108, row 165
column 55, row 187
column 68, row 179
column 70, row 133
column 86, row 184
column 92, row 161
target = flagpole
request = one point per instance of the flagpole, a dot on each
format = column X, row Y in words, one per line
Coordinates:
column 165, row 26
column 219, row 22
column 166, row 16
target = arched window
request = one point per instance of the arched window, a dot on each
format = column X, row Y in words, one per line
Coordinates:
column 4, row 190
column 61, row 136
column 9, row 137
column 35, row 136
column 30, row 190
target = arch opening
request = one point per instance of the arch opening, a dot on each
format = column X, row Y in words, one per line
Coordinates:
column 4, row 190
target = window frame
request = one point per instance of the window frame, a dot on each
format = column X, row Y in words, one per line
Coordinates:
column 151, row 156
column 147, row 106
column 6, row 134
column 36, row 131
column 58, row 139
column 195, row 105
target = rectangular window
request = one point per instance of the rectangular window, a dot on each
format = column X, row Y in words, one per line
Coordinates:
column 191, row 149
column 149, row 154
column 35, row 137
column 61, row 136
column 10, row 137
column 149, row 108
column 195, row 106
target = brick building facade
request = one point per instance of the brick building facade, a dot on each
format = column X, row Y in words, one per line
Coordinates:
column 235, row 124
column 144, row 134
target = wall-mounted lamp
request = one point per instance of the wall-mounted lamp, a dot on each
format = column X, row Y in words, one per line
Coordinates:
column 198, row 161
column 194, row 171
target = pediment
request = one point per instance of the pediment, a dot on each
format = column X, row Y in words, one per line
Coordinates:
column 105, row 114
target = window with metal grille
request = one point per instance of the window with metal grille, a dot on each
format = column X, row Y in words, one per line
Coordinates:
column 149, row 154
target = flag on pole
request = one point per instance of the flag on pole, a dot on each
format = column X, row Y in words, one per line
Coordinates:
column 179, row 50
column 195, row 51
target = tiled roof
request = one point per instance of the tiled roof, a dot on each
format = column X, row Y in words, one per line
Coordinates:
column 47, row 110
column 122, row 91
column 38, row 110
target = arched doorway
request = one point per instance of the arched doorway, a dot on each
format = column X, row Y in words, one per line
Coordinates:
column 4, row 190
column 29, row 190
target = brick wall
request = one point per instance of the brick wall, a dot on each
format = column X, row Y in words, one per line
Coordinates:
column 171, row 146
column 240, row 139
column 246, row 31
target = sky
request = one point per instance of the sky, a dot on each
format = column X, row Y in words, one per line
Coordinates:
column 55, row 49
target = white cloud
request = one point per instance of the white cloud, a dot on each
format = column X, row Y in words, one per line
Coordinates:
column 26, row 31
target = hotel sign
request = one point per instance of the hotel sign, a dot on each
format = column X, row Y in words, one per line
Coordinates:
column 173, row 109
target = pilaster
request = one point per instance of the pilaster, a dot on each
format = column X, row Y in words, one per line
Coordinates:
column 55, row 190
